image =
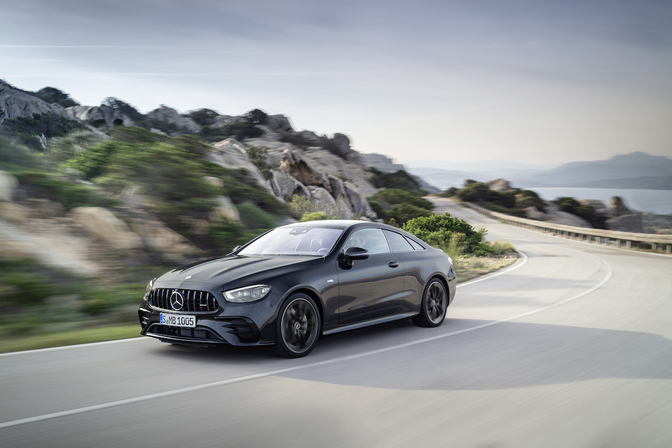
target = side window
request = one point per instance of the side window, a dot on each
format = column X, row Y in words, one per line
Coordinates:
column 397, row 242
column 372, row 240
column 415, row 245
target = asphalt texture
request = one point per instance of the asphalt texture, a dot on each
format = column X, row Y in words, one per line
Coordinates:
column 569, row 347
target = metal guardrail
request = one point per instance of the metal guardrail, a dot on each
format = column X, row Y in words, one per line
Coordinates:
column 657, row 243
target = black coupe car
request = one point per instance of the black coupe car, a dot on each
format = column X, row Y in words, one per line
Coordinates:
column 294, row 283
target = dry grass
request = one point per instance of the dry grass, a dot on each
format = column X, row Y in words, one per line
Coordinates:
column 468, row 268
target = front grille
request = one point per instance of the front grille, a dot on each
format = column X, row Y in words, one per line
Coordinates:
column 194, row 301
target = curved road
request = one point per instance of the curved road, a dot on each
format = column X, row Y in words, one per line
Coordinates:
column 570, row 347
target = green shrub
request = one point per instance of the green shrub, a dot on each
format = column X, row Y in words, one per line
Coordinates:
column 255, row 218
column 52, row 95
column 398, row 180
column 403, row 213
column 389, row 197
column 314, row 216
column 101, row 300
column 228, row 234
column 70, row 194
column 49, row 124
column 437, row 230
column 14, row 156
column 68, row 146
column 449, row 193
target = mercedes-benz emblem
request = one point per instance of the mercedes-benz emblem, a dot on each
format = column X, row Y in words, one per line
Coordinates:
column 176, row 301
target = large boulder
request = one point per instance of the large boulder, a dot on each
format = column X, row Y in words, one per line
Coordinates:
column 7, row 185
column 184, row 125
column 303, row 171
column 499, row 185
column 339, row 144
column 102, row 224
column 532, row 213
column 618, row 207
column 626, row 223
column 224, row 209
column 285, row 186
column 360, row 206
column 99, row 117
column 160, row 238
column 15, row 103
column 279, row 123
column 557, row 216
column 231, row 154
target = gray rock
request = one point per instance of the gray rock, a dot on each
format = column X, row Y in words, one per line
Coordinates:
column 618, row 207
column 532, row 213
column 227, row 119
column 285, row 186
column 102, row 224
column 214, row 181
column 339, row 144
column 599, row 206
column 303, row 171
column 557, row 216
column 8, row 182
column 360, row 206
column 14, row 103
column 160, row 238
column 230, row 153
column 626, row 223
column 499, row 185
column 279, row 123
column 224, row 209
column 169, row 115
column 99, row 117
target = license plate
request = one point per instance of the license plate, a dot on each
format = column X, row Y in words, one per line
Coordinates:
column 175, row 320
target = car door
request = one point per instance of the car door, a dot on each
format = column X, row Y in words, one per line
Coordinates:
column 373, row 287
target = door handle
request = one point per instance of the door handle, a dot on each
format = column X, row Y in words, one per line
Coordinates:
column 393, row 264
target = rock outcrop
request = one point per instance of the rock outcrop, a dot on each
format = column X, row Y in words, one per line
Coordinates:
column 624, row 218
column 501, row 185
column 386, row 165
column 230, row 153
column 303, row 171
column 183, row 125
column 15, row 103
column 104, row 225
column 279, row 123
column 99, row 117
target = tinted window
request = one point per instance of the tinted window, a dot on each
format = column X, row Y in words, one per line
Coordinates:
column 372, row 240
column 415, row 245
column 397, row 242
column 299, row 240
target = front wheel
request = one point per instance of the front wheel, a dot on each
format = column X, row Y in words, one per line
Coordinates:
column 298, row 327
column 434, row 305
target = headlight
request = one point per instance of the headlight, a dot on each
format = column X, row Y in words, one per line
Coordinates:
column 149, row 287
column 247, row 294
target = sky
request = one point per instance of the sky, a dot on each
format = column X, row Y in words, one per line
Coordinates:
column 538, row 82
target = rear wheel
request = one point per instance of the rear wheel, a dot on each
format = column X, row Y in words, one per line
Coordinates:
column 434, row 305
column 298, row 327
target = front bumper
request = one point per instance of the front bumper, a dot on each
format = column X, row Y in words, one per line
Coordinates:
column 210, row 330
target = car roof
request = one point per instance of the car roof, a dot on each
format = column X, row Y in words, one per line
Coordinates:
column 341, row 224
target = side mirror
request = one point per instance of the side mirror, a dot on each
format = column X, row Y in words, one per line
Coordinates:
column 235, row 249
column 356, row 253
column 353, row 253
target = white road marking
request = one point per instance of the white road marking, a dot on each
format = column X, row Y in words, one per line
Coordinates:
column 240, row 379
column 67, row 347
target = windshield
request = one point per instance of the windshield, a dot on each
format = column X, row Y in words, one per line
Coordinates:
column 299, row 240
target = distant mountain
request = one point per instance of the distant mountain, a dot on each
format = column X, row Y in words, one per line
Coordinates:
column 636, row 170
column 607, row 173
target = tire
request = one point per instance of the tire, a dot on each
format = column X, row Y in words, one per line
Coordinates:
column 298, row 327
column 434, row 305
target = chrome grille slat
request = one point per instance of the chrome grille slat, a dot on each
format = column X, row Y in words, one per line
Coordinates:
column 194, row 300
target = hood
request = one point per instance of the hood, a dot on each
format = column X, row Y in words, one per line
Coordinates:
column 221, row 271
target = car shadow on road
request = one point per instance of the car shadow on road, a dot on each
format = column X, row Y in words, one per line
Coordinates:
column 502, row 356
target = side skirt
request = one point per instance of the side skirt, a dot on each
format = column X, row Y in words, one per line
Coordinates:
column 368, row 323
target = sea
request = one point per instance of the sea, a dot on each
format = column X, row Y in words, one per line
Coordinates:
column 651, row 201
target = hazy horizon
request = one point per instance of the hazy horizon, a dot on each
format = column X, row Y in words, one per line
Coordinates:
column 463, row 81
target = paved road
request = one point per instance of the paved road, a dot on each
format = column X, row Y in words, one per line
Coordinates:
column 569, row 348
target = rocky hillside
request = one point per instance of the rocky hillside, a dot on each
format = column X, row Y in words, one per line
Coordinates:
column 326, row 171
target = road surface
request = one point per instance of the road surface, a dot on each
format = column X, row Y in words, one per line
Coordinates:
column 569, row 347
